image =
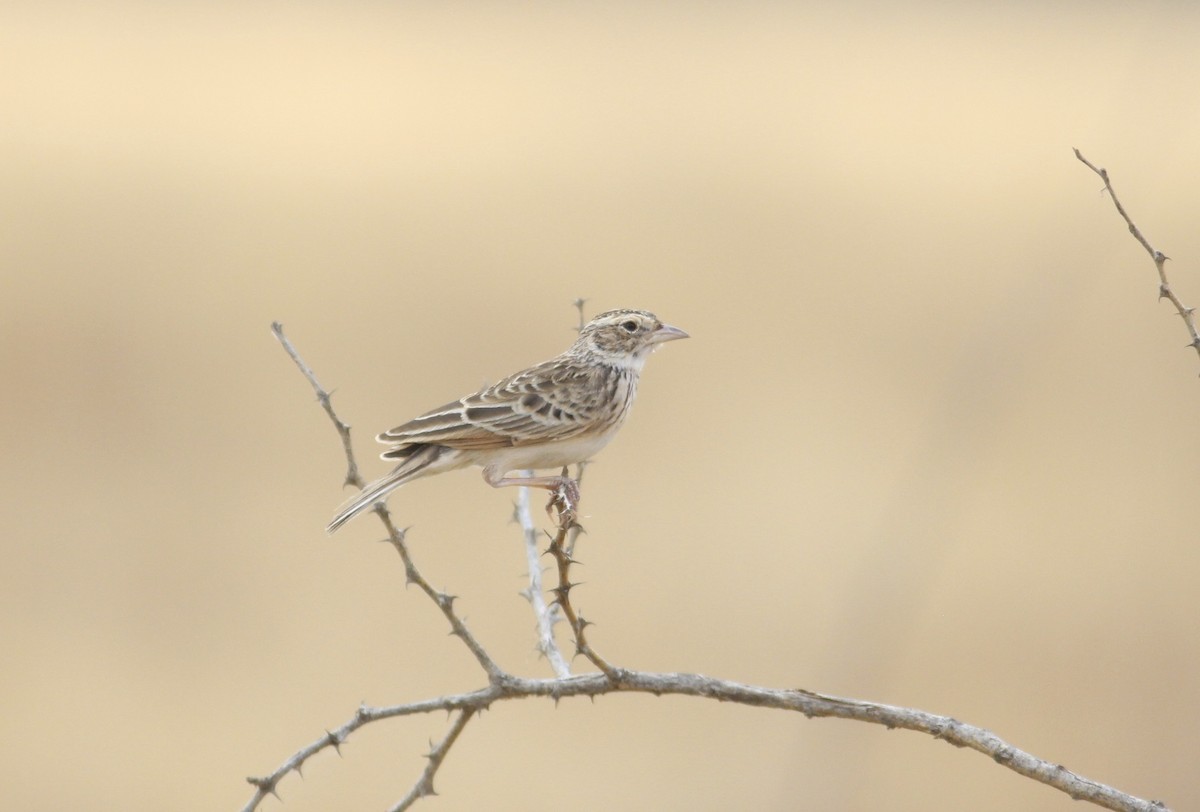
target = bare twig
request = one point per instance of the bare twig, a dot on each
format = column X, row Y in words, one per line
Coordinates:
column 1165, row 290
column 472, row 702
column 424, row 785
column 444, row 601
column 545, row 614
column 505, row 686
column 810, row 703
column 343, row 430
column 579, row 303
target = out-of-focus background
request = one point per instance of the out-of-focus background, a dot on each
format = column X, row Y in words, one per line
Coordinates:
column 933, row 442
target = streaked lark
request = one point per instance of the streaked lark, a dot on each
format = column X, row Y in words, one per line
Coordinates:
column 557, row 413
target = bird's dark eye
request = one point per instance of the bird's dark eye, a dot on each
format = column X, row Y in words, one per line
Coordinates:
column 629, row 326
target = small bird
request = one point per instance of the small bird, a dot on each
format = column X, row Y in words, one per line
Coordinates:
column 557, row 413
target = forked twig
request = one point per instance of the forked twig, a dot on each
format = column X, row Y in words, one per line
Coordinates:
column 444, row 601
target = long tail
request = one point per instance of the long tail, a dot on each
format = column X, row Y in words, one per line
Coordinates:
column 412, row 467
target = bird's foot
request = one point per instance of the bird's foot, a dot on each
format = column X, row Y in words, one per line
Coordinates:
column 564, row 499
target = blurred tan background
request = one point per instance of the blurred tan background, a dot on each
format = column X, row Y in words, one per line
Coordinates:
column 933, row 442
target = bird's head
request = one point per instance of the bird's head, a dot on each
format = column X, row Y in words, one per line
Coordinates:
column 625, row 337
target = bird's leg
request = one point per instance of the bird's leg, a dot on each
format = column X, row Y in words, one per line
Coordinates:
column 549, row 483
column 564, row 490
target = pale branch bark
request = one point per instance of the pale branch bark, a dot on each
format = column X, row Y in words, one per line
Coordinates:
column 502, row 685
column 1165, row 291
column 444, row 601
column 810, row 703
column 545, row 615
column 578, row 304
column 424, row 785
column 343, row 430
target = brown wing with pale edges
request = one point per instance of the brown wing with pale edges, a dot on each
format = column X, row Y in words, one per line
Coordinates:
column 552, row 401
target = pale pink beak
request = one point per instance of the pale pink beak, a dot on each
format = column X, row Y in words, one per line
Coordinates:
column 667, row 333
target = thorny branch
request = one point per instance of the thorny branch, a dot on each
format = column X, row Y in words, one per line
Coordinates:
column 343, row 430
column 545, row 615
column 444, row 601
column 502, row 685
column 1165, row 291
column 562, row 593
column 424, row 785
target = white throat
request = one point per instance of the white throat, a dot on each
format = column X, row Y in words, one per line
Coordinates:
column 633, row 362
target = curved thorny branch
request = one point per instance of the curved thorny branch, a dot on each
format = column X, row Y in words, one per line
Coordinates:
column 502, row 685
column 1165, row 291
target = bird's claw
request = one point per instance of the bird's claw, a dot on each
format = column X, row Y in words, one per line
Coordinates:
column 564, row 500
